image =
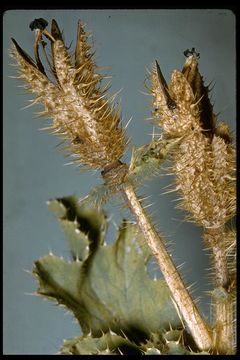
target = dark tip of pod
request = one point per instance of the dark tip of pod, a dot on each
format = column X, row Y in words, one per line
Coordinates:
column 163, row 84
column 160, row 76
column 55, row 31
column 23, row 54
column 40, row 24
column 188, row 53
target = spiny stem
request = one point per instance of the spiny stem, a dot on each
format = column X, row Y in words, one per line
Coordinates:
column 196, row 324
column 224, row 323
column 223, row 301
column 215, row 238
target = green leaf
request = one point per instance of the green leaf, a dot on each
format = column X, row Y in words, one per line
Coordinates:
column 107, row 344
column 83, row 227
column 78, row 240
column 110, row 288
column 118, row 278
column 113, row 344
column 59, row 281
column 172, row 342
column 147, row 159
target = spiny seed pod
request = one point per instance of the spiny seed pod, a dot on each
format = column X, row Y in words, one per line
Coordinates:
column 81, row 113
column 204, row 162
column 184, row 104
column 205, row 176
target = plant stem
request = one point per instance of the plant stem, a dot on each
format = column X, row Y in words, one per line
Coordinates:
column 196, row 324
column 224, row 323
column 223, row 301
column 215, row 238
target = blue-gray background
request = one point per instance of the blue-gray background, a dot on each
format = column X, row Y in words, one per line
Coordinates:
column 128, row 41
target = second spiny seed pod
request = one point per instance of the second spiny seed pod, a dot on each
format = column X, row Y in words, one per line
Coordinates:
column 204, row 163
column 82, row 115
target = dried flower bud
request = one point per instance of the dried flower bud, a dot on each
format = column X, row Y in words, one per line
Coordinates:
column 204, row 162
column 81, row 113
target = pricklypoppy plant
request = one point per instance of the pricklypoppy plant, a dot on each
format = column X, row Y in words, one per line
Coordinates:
column 106, row 286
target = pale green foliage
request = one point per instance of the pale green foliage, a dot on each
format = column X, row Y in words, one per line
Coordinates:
column 170, row 343
column 106, row 287
column 106, row 344
column 147, row 160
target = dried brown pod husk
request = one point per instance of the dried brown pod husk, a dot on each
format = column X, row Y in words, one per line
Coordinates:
column 74, row 99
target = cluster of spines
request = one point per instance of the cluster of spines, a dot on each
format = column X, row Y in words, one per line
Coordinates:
column 204, row 169
column 172, row 342
column 81, row 113
column 204, row 162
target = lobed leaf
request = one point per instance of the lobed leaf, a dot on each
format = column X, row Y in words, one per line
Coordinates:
column 107, row 287
column 107, row 344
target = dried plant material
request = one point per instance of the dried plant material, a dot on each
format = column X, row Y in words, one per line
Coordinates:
column 204, row 163
column 81, row 113
column 107, row 286
column 205, row 175
column 204, row 168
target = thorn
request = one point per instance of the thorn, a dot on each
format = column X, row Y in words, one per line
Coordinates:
column 121, row 353
column 190, row 286
column 178, row 312
column 178, row 199
column 69, row 163
column 145, row 198
column 164, row 87
column 169, row 191
column 144, row 93
column 181, row 265
column 113, row 97
column 124, row 335
column 23, row 54
column 149, row 118
column 112, row 332
column 55, row 32
column 125, row 127
column 32, row 294
column 90, row 333
column 153, row 133
column 115, row 225
column 199, row 100
column 147, row 206
column 16, row 77
column 28, row 106
column 28, row 271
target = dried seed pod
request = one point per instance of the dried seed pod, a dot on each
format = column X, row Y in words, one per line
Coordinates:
column 76, row 103
column 173, row 104
column 205, row 177
column 205, row 109
column 204, row 162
